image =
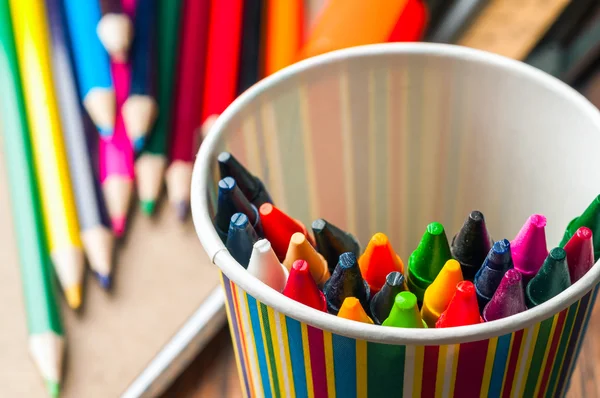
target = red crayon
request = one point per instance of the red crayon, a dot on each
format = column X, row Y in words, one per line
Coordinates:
column 301, row 287
column 278, row 228
column 412, row 22
column 463, row 308
column 580, row 253
column 378, row 260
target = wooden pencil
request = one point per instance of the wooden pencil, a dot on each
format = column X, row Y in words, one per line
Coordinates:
column 114, row 29
column 58, row 205
column 150, row 165
column 98, row 240
column 140, row 108
column 46, row 341
column 285, row 23
column 91, row 64
column 250, row 48
column 188, row 102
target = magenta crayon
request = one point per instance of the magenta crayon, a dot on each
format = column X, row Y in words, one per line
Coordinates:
column 580, row 253
column 509, row 298
column 529, row 248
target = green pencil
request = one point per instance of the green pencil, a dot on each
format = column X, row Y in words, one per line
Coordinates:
column 46, row 342
column 151, row 164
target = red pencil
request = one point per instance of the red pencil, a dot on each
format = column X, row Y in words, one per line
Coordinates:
column 188, row 102
column 224, row 39
column 412, row 22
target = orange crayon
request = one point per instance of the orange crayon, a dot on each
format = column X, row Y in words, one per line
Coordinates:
column 440, row 292
column 353, row 310
column 378, row 260
column 300, row 249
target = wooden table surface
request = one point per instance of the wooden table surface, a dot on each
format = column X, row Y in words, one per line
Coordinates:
column 214, row 373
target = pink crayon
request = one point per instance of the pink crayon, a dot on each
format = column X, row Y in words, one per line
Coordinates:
column 529, row 248
column 580, row 253
column 509, row 298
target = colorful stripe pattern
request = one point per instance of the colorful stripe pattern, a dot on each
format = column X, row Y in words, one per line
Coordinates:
column 537, row 361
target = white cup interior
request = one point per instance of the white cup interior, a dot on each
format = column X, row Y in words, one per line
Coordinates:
column 388, row 138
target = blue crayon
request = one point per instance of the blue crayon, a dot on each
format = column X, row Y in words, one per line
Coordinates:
column 489, row 276
column 92, row 64
column 231, row 200
column 240, row 239
column 346, row 281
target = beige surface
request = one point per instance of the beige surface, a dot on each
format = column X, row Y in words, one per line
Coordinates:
column 161, row 277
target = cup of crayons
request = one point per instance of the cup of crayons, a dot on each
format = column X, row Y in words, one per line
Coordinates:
column 404, row 148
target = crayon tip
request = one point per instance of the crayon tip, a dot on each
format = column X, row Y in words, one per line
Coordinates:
column 53, row 388
column 508, row 299
column 378, row 260
column 440, row 292
column 580, row 253
column 352, row 309
column 104, row 280
column 118, row 225
column 471, row 244
column 73, row 296
column 265, row 266
column 383, row 301
column 489, row 276
column 138, row 143
column 301, row 287
column 346, row 281
column 250, row 185
column 405, row 312
column 551, row 279
column 529, row 247
column 147, row 206
column 240, row 239
column 428, row 259
column 300, row 248
column 463, row 308
column 181, row 210
column 589, row 218
column 331, row 242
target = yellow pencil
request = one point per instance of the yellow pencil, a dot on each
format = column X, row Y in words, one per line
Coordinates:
column 58, row 205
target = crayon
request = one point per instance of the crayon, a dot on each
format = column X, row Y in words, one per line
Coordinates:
column 250, row 51
column 529, row 248
column 151, row 164
column 32, row 43
column 508, row 299
column 300, row 248
column 378, row 260
column 589, row 218
column 301, row 287
column 551, row 279
column 240, row 239
column 462, row 309
column 187, row 103
column 265, row 266
column 412, row 22
column 46, row 340
column 251, row 186
column 92, row 65
column 489, row 276
column 332, row 242
column 425, row 263
column 440, row 292
column 405, row 312
column 352, row 309
column 580, row 253
column 346, row 281
column 284, row 32
column 471, row 244
column 230, row 201
column 381, row 304
column 96, row 235
column 140, row 108
column 278, row 228
column 114, row 29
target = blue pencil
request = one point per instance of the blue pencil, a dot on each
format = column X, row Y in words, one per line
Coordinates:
column 92, row 65
column 140, row 109
column 93, row 218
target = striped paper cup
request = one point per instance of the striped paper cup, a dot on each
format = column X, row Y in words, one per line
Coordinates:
column 388, row 138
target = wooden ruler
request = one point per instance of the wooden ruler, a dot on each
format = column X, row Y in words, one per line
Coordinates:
column 512, row 27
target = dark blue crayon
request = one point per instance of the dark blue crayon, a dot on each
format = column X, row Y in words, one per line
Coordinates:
column 251, row 186
column 489, row 276
column 240, row 239
column 332, row 242
column 346, row 281
column 231, row 200
column 383, row 301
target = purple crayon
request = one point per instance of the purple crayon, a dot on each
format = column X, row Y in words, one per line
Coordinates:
column 509, row 298
column 529, row 248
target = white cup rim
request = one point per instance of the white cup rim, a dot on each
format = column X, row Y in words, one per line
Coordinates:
column 389, row 335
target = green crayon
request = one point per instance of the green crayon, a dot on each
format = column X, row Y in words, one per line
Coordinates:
column 550, row 280
column 591, row 219
column 405, row 312
column 428, row 259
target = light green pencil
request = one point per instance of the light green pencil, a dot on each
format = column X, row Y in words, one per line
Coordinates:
column 46, row 341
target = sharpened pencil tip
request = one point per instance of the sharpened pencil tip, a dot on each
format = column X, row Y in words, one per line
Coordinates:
column 118, row 224
column 148, row 207
column 182, row 209
column 73, row 296
column 53, row 388
column 105, row 133
column 138, row 143
column 104, row 280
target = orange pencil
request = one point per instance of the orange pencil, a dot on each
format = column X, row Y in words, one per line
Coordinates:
column 285, row 20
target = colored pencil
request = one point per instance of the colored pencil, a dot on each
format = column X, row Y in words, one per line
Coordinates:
column 222, row 66
column 285, row 23
column 91, row 64
column 188, row 102
column 150, row 165
column 98, row 240
column 58, row 205
column 250, row 46
column 114, row 29
column 140, row 108
column 46, row 341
